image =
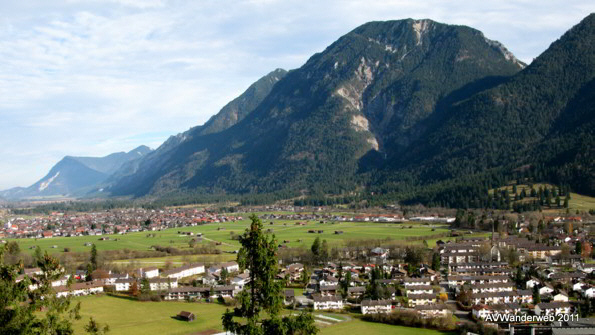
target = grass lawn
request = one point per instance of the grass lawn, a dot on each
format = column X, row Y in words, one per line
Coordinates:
column 133, row 317
column 220, row 232
column 126, row 316
column 357, row 326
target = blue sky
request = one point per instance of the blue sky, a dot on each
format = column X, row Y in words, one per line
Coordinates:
column 95, row 77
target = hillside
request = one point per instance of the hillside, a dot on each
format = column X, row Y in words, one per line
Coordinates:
column 538, row 123
column 324, row 126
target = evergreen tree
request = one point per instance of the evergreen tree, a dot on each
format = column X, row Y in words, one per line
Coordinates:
column 536, row 297
column 145, row 286
column 316, row 249
column 436, row 261
column 93, row 259
column 263, row 292
column 19, row 305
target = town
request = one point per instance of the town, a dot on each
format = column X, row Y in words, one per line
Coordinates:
column 504, row 280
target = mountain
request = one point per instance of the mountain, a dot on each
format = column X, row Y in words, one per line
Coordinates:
column 232, row 113
column 75, row 176
column 540, row 119
column 238, row 108
column 110, row 163
column 327, row 126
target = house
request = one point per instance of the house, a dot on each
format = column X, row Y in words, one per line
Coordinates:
column 328, row 290
column 162, row 284
column 589, row 292
column 379, row 255
column 532, row 282
column 561, row 296
column 190, row 292
column 357, row 291
column 578, row 286
column 184, row 271
column 432, row 311
column 79, row 289
column 417, row 281
column 376, row 306
column 546, row 289
column 123, row 284
column 231, row 267
column 480, row 312
column 557, row 307
column 289, row 296
column 186, row 316
column 151, row 272
column 419, row 289
column 241, row 280
column 421, row 299
column 327, row 302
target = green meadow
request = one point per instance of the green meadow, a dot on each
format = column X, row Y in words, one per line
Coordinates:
column 220, row 233
column 126, row 316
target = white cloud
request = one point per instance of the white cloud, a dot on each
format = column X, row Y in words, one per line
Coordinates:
column 94, row 77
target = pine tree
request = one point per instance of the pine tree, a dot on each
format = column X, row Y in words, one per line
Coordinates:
column 19, row 305
column 316, row 249
column 93, row 259
column 263, row 292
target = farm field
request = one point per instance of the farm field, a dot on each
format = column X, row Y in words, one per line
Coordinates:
column 296, row 235
column 157, row 318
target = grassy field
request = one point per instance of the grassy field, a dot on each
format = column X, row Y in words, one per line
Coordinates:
column 357, row 326
column 126, row 316
column 220, row 232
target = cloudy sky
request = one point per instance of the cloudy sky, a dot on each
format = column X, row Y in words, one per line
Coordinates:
column 95, row 77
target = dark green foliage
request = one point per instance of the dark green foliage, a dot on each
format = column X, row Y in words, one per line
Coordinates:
column 19, row 305
column 263, row 292
column 305, row 133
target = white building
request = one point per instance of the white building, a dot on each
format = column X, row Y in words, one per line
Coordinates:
column 79, row 289
column 162, row 284
column 184, row 271
column 376, row 306
column 150, row 272
column 553, row 308
column 123, row 284
column 327, row 303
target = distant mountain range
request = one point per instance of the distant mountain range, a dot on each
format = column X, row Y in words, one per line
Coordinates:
column 76, row 176
column 413, row 108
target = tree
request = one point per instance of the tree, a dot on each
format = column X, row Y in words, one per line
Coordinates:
column 263, row 293
column 316, row 249
column 94, row 328
column 13, row 253
column 435, row 261
column 464, row 296
column 93, row 259
column 578, row 248
column 192, row 243
column 324, row 252
column 145, row 286
column 224, row 275
column 38, row 255
column 536, row 297
column 345, row 283
column 19, row 305
column 305, row 278
column 134, row 289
